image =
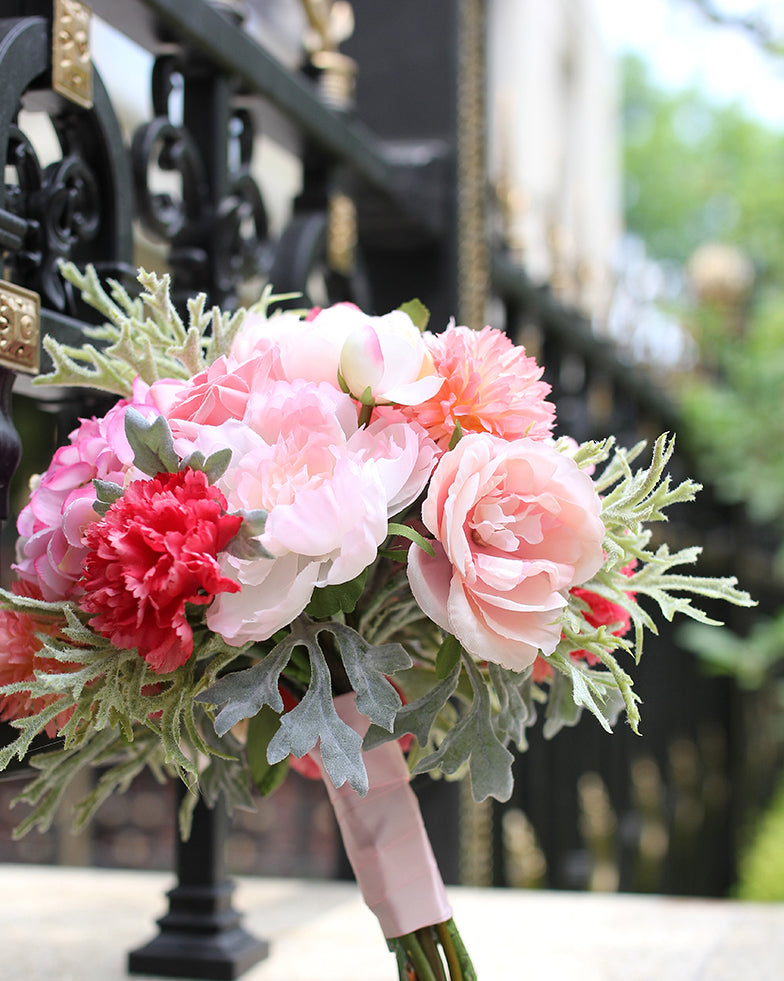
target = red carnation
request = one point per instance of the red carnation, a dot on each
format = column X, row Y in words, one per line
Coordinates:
column 154, row 551
column 600, row 612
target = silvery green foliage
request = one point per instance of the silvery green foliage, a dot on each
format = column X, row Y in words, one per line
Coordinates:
column 143, row 336
column 123, row 716
column 314, row 719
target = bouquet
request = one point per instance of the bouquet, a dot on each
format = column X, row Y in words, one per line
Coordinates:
column 326, row 539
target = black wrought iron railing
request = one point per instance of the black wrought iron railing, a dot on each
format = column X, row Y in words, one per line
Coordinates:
column 389, row 207
column 187, row 181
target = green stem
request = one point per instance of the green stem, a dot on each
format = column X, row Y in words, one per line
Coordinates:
column 452, row 961
column 400, row 956
column 419, row 951
column 416, row 955
column 465, row 968
column 428, row 943
column 365, row 414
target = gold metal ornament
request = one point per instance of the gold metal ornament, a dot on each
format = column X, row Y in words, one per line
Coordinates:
column 72, row 67
column 342, row 234
column 20, row 328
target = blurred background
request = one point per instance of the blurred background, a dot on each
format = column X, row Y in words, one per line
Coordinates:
column 628, row 227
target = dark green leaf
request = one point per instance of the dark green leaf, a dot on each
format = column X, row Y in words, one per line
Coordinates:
column 404, row 531
column 261, row 728
column 330, row 600
column 447, row 657
column 457, row 435
column 418, row 313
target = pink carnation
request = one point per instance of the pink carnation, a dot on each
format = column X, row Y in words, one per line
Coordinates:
column 490, row 386
column 50, row 550
column 154, row 551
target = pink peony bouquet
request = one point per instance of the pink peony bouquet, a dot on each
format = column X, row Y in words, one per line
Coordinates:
column 331, row 539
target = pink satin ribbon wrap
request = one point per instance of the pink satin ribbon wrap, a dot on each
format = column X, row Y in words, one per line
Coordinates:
column 385, row 837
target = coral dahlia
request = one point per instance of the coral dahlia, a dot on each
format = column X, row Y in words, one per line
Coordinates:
column 490, row 386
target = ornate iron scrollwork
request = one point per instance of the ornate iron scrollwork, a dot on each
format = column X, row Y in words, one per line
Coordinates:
column 60, row 206
column 242, row 227
column 78, row 206
column 162, row 145
column 215, row 218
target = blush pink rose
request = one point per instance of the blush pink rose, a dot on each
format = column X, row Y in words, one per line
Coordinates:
column 517, row 526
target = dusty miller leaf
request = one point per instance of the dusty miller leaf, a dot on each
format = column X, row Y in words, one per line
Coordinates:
column 367, row 667
column 152, row 443
column 214, row 466
column 473, row 740
column 314, row 720
column 417, row 717
column 515, row 693
column 242, row 693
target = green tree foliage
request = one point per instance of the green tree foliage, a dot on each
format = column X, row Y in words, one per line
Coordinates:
column 696, row 173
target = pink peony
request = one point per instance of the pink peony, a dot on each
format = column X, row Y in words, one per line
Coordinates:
column 221, row 392
column 490, row 386
column 403, row 452
column 385, row 355
column 307, row 351
column 154, row 551
column 517, row 525
column 300, row 456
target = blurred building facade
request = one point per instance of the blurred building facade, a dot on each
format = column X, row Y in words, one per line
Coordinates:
column 554, row 144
